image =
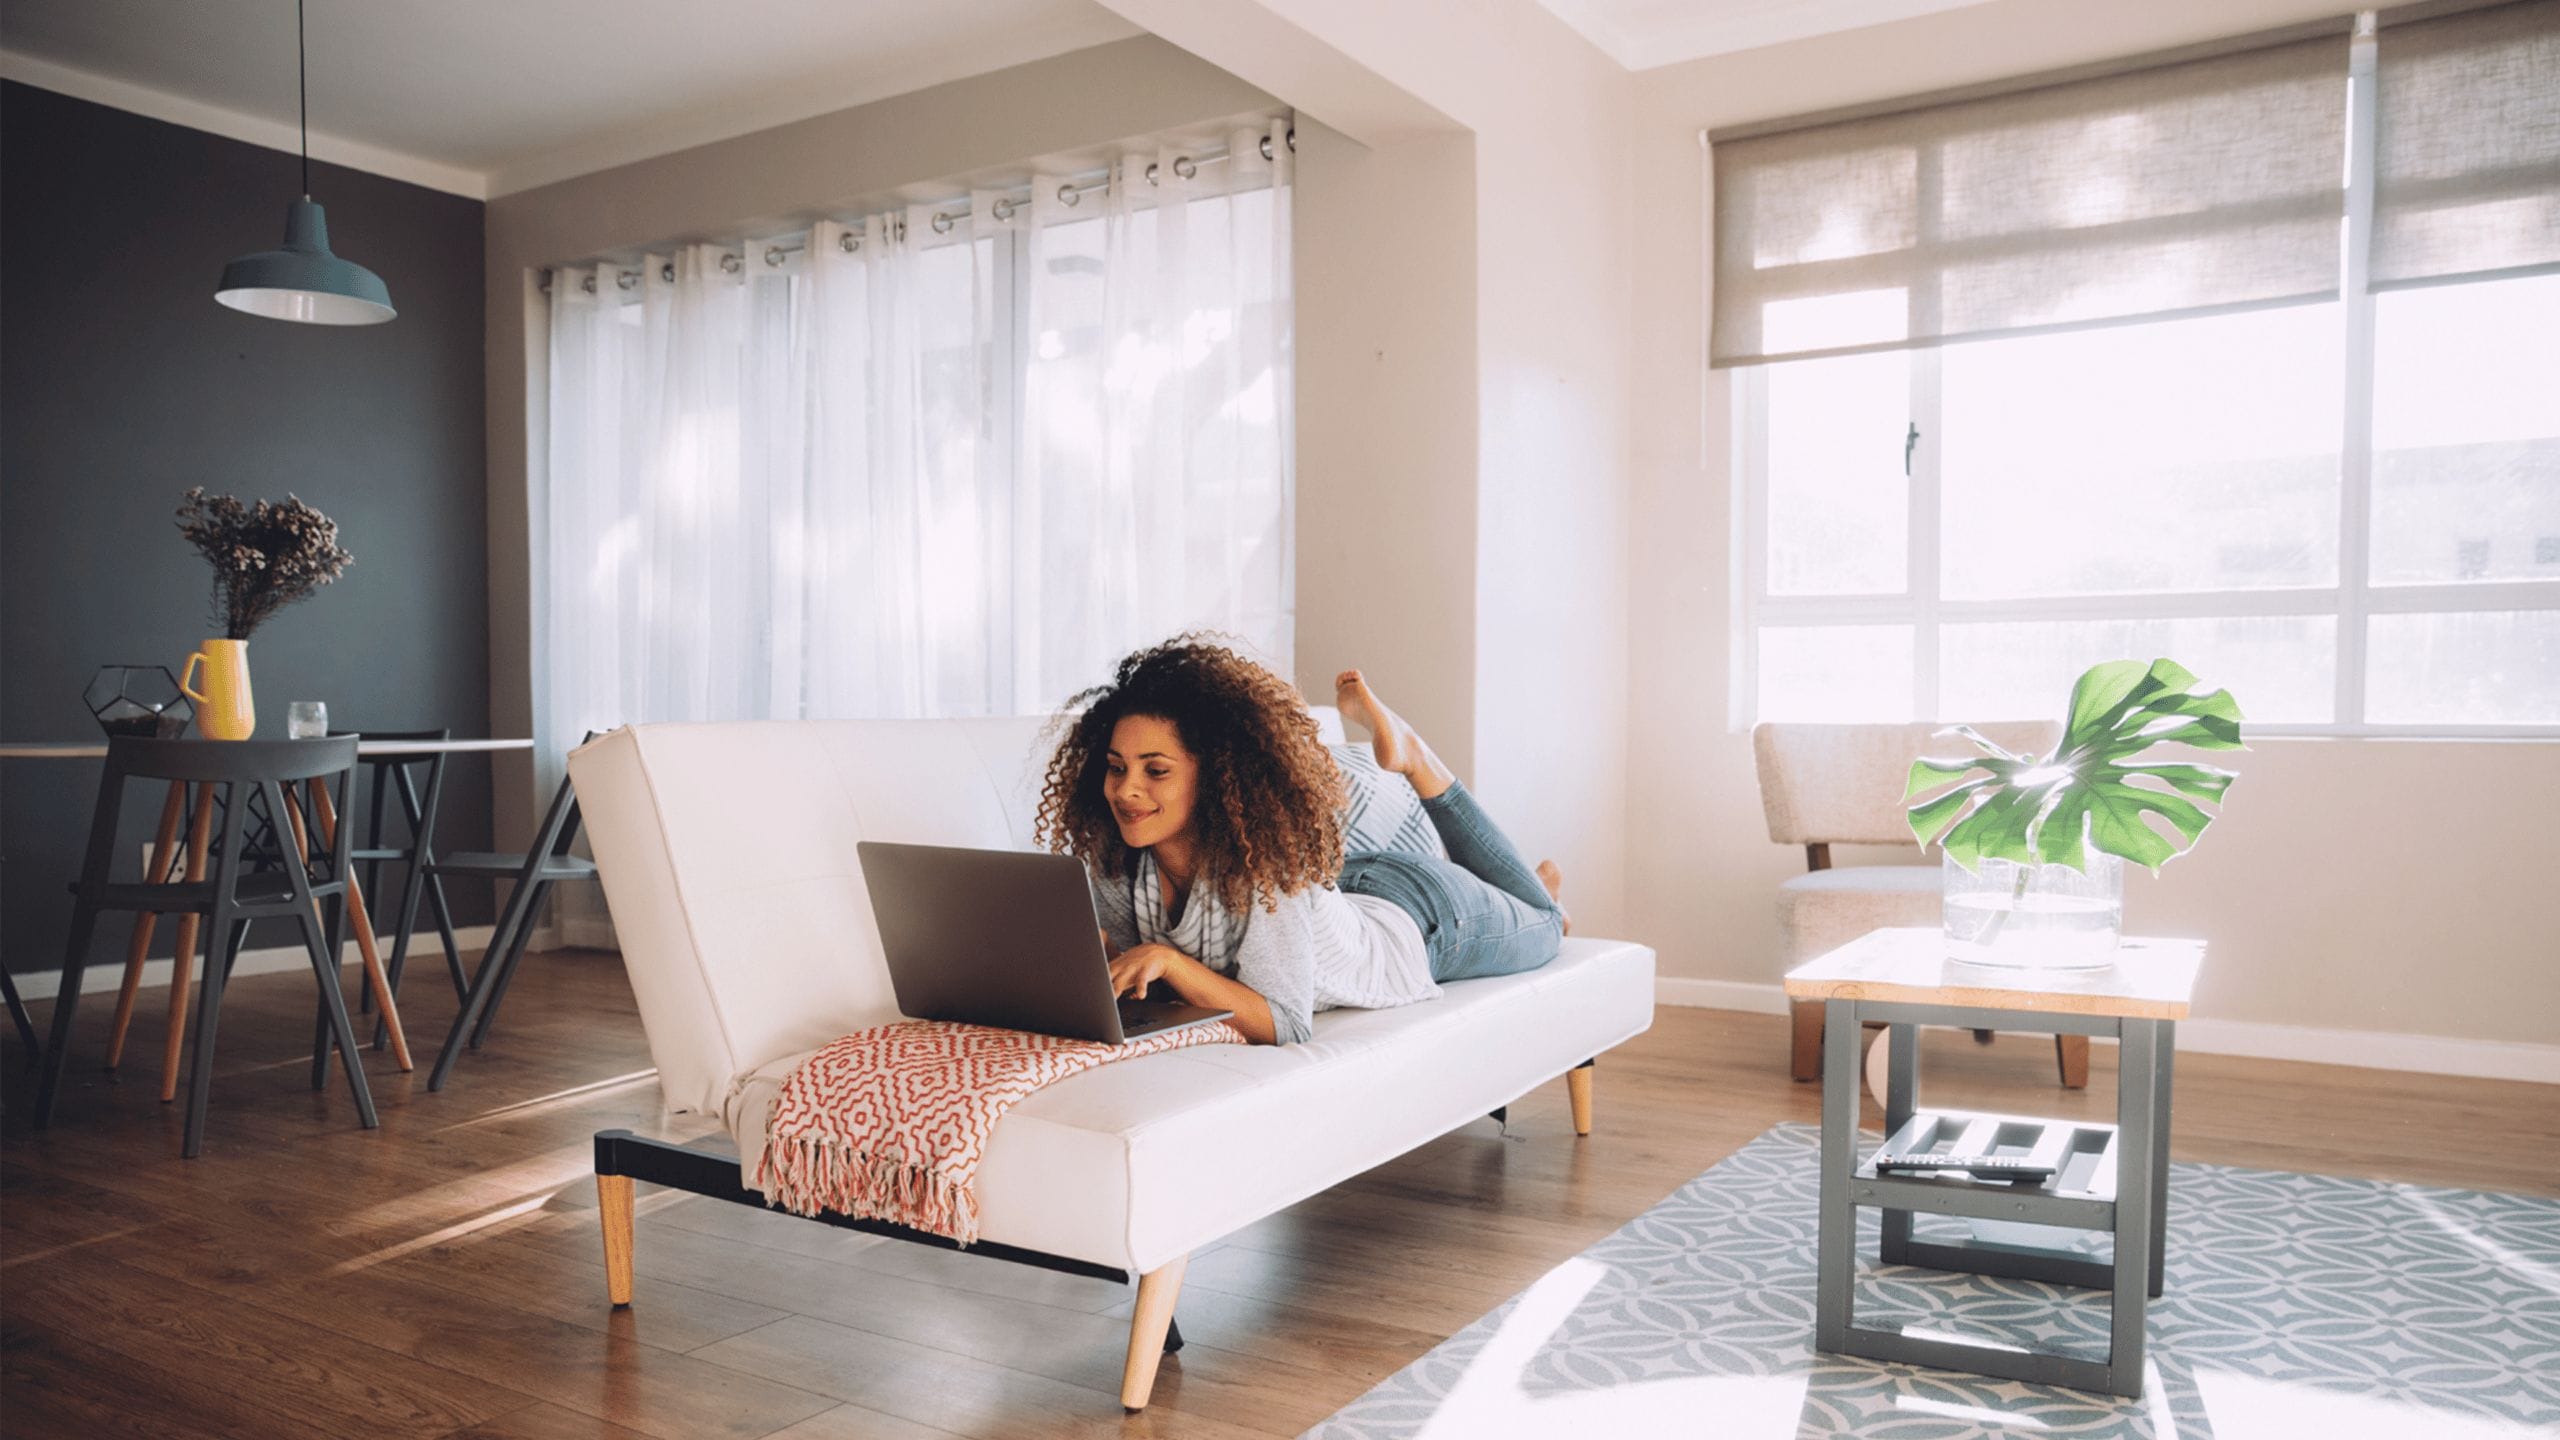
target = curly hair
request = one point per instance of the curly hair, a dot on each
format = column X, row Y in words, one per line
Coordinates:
column 1268, row 821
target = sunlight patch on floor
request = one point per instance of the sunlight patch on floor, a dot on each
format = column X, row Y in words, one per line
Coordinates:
column 1489, row 1403
column 2244, row 1407
column 554, row 1100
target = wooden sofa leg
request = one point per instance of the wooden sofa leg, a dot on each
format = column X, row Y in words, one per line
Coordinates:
column 1806, row 1054
column 2071, row 1057
column 1577, row 1087
column 1157, row 1290
column 613, row 1205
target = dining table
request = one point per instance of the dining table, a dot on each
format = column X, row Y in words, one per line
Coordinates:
column 171, row 862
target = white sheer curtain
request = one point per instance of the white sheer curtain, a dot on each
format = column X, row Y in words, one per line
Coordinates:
column 939, row 463
column 1156, row 450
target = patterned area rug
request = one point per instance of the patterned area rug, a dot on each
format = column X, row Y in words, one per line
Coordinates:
column 2296, row 1306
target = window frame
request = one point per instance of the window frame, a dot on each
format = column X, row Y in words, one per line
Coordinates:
column 2352, row 602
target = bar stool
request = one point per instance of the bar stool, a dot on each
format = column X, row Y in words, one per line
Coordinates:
column 229, row 899
column 546, row 864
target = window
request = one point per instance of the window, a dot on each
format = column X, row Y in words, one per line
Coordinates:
column 2346, row 507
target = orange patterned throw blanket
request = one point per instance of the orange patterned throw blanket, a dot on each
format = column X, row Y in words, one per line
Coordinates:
column 891, row 1123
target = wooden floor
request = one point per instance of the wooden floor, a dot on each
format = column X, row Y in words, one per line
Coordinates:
column 444, row 1276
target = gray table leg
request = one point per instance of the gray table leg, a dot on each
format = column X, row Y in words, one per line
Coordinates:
column 2164, row 1064
column 2138, row 1132
column 1901, row 1098
column 1835, row 1257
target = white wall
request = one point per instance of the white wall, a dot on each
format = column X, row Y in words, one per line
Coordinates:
column 1544, row 513
column 2367, row 885
column 1385, row 272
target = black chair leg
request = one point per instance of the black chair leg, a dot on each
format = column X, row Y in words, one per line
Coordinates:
column 444, row 930
column 475, row 999
column 322, row 1044
column 514, row 955
column 18, row 1017
column 324, row 965
column 75, row 958
column 217, row 975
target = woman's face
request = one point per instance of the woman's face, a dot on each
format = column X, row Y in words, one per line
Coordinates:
column 1152, row 782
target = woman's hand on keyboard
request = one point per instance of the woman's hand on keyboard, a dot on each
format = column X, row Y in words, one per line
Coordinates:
column 1134, row 969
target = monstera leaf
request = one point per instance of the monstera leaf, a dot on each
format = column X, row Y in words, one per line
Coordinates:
column 2088, row 794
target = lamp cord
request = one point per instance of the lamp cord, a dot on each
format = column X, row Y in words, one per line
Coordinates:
column 302, row 82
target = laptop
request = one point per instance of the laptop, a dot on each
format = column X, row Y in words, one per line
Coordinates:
column 1008, row 939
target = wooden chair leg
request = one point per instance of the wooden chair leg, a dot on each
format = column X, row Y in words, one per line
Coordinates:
column 166, row 859
column 199, row 840
column 2071, row 1057
column 613, row 1207
column 1577, row 1086
column 1806, row 1056
column 1157, row 1290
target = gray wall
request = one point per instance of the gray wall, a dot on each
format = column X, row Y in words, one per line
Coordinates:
column 122, row 383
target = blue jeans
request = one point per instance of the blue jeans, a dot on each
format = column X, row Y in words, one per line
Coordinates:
column 1482, row 910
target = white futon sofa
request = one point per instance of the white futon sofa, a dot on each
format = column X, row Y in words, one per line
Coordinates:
column 727, row 856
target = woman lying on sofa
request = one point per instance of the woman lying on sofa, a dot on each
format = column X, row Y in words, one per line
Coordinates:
column 1210, row 816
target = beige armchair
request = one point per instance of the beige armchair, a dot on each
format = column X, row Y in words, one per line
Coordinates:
column 1826, row 785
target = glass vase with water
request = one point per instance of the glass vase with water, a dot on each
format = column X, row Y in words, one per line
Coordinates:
column 2049, row 917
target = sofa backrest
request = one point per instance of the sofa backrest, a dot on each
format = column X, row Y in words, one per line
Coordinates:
column 727, row 857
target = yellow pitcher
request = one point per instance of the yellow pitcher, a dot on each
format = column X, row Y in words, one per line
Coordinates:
column 224, row 710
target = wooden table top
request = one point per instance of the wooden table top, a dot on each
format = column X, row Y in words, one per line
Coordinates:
column 97, row 749
column 2151, row 979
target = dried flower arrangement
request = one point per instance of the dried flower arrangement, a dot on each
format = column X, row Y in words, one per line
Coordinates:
column 264, row 556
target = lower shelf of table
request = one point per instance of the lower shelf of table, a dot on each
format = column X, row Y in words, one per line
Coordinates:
column 2082, row 1155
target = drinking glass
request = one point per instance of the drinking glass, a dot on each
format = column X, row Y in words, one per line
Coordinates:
column 306, row 720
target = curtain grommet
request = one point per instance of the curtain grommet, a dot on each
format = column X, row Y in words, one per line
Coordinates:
column 773, row 256
column 1185, row 167
column 1069, row 196
column 1003, row 210
column 848, row 242
column 941, row 222
column 588, row 285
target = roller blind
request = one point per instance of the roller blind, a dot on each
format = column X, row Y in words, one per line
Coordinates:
column 2467, row 164
column 2178, row 188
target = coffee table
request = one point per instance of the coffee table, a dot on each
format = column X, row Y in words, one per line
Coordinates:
column 2107, row 1177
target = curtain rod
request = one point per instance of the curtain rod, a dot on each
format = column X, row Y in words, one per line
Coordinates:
column 1070, row 193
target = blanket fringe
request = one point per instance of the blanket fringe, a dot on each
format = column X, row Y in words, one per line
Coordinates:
column 805, row 1174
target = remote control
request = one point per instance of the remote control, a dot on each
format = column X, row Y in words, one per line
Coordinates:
column 1981, row 1167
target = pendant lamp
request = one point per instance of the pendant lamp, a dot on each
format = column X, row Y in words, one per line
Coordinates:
column 303, row 281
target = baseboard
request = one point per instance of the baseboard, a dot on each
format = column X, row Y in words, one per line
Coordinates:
column 1719, row 995
column 266, row 959
column 583, row 932
column 2371, row 1049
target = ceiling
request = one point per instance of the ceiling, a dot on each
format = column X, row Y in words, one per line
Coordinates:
column 1643, row 34
column 490, row 96
column 487, row 97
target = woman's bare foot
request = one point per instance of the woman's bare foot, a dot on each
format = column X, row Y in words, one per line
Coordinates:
column 1396, row 744
column 1553, row 879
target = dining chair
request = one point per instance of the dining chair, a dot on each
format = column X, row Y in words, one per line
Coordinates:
column 545, row 864
column 299, row 885
column 394, row 775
